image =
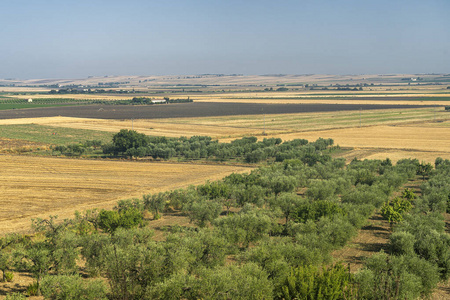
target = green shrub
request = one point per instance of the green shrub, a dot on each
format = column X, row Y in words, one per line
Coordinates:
column 309, row 282
column 317, row 209
column 15, row 296
column 33, row 289
column 9, row 276
column 394, row 209
column 72, row 288
column 401, row 243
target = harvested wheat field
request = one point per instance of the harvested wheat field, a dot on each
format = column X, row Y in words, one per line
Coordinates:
column 396, row 142
column 37, row 187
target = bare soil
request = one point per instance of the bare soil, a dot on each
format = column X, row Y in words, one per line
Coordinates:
column 182, row 110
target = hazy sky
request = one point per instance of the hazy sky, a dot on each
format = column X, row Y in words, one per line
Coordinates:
column 68, row 39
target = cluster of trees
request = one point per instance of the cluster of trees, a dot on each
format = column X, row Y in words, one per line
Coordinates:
column 419, row 247
column 130, row 143
column 260, row 235
column 83, row 90
column 142, row 101
column 76, row 149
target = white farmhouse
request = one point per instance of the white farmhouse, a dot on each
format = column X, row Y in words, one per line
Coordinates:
column 156, row 101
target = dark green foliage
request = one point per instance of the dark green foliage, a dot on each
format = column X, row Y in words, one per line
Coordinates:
column 129, row 143
column 203, row 211
column 128, row 139
column 213, row 190
column 110, row 220
column 402, row 243
column 408, row 166
column 424, row 169
column 228, row 282
column 245, row 227
column 316, row 209
column 396, row 277
column 364, row 195
column 321, row 189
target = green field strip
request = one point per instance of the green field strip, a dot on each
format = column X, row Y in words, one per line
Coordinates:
column 52, row 135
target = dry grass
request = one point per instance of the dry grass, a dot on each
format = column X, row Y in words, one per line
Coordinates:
column 36, row 187
column 396, row 142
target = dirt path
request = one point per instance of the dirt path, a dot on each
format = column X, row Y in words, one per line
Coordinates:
column 371, row 239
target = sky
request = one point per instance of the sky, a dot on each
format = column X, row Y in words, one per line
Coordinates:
column 77, row 39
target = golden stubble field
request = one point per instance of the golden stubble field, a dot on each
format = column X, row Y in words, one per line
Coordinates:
column 33, row 187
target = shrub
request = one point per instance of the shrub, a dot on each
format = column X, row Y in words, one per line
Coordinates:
column 317, row 209
column 9, row 276
column 402, row 243
column 309, row 282
column 393, row 210
column 33, row 289
column 72, row 288
column 15, row 296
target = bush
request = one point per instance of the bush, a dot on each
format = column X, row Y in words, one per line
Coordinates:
column 317, row 209
column 9, row 276
column 393, row 210
column 72, row 288
column 15, row 296
column 309, row 282
column 402, row 243
column 33, row 289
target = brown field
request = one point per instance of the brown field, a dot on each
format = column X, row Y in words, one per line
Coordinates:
column 37, row 187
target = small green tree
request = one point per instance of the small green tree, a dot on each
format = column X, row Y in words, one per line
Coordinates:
column 203, row 211
column 126, row 139
column 310, row 283
column 155, row 203
column 424, row 169
column 393, row 210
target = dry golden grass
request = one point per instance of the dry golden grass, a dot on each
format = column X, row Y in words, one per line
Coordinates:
column 36, row 187
column 395, row 142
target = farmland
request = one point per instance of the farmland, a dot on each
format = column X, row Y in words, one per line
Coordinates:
column 36, row 187
column 375, row 133
column 386, row 122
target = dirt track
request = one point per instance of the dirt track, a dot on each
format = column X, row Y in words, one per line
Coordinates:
column 185, row 110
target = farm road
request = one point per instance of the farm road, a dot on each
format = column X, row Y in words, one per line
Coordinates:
column 185, row 110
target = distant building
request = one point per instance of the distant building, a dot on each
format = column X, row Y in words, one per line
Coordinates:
column 156, row 101
column 30, row 100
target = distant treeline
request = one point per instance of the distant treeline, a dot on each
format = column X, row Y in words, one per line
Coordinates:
column 143, row 101
column 91, row 91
